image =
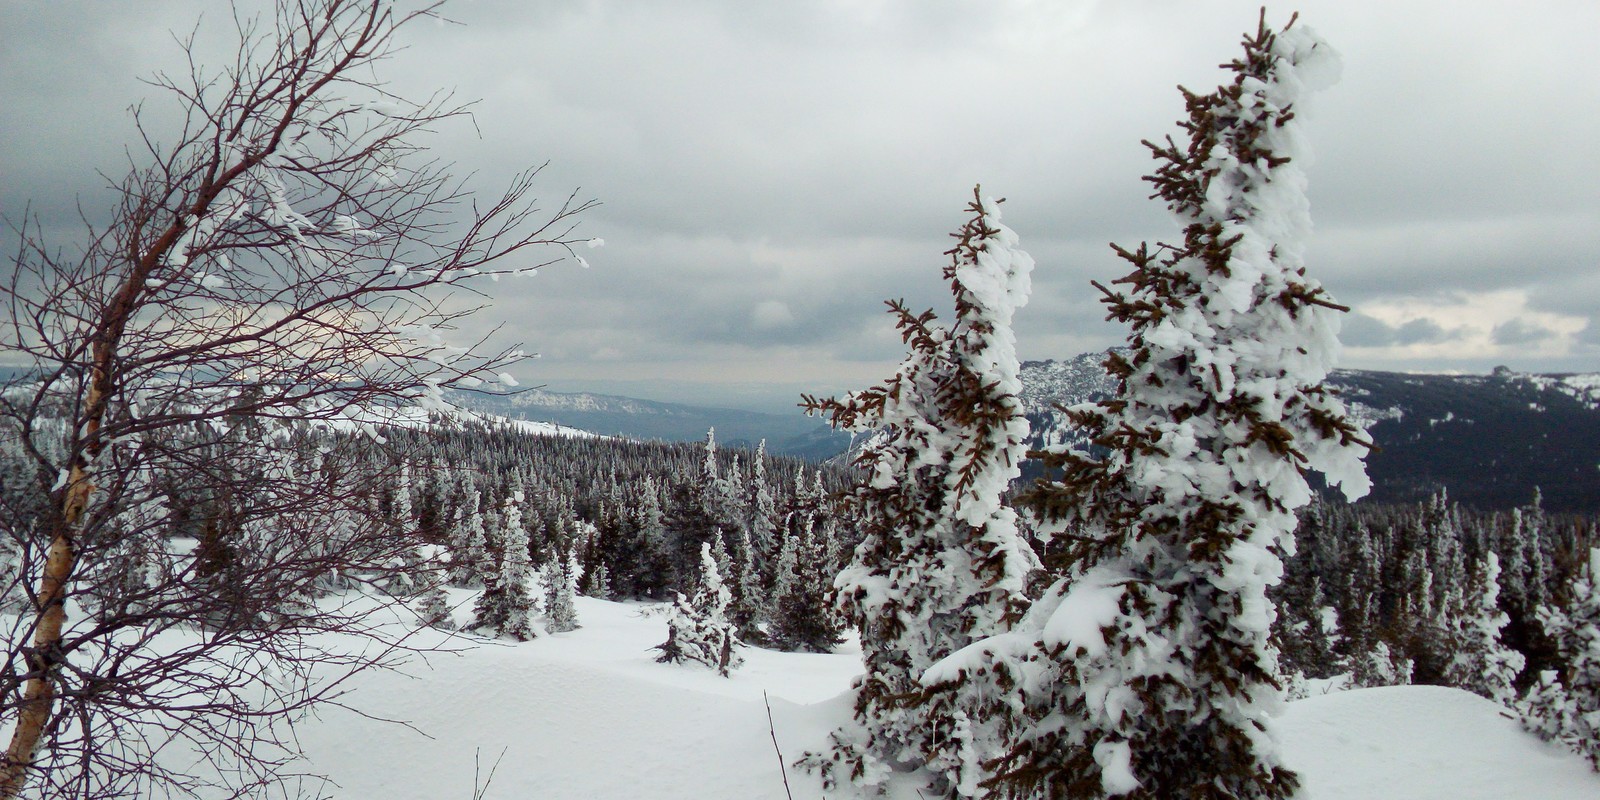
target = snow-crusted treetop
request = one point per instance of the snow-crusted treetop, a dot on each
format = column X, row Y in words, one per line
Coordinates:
column 941, row 561
column 991, row 278
column 709, row 465
column 1221, row 400
column 966, row 375
column 950, row 436
column 1148, row 661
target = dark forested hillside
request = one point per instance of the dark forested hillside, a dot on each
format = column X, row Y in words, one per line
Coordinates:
column 1491, row 440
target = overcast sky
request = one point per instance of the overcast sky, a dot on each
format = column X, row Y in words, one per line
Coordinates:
column 771, row 172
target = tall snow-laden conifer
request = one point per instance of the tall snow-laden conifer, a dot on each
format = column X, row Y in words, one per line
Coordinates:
column 761, row 511
column 749, row 608
column 506, row 606
column 655, row 546
column 560, row 609
column 1479, row 661
column 1145, row 670
column 469, row 560
column 802, row 615
column 941, row 562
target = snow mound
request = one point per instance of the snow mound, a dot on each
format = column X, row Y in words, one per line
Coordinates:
column 1423, row 743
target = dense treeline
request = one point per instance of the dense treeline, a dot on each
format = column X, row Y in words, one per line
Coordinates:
column 628, row 519
column 1433, row 593
column 1389, row 593
column 486, row 506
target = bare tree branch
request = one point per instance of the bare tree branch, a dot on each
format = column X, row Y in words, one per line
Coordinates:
column 176, row 536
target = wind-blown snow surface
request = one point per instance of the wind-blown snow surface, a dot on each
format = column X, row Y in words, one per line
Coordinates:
column 589, row 715
column 1424, row 743
column 583, row 715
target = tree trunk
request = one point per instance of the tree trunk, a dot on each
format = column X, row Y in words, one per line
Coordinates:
column 38, row 696
column 39, row 691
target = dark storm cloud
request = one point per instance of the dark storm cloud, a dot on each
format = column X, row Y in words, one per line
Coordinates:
column 1360, row 330
column 771, row 172
column 1421, row 331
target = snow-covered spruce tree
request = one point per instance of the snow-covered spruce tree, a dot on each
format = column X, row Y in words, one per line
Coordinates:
column 409, row 571
column 654, row 543
column 1564, row 705
column 697, row 626
column 505, row 609
column 695, row 514
column 1479, row 661
column 941, row 562
column 469, row 558
column 1145, row 670
column 784, row 575
column 1546, row 710
column 761, row 510
column 560, row 609
column 1306, row 634
column 599, row 584
column 750, row 607
column 1379, row 665
column 433, row 609
column 803, row 618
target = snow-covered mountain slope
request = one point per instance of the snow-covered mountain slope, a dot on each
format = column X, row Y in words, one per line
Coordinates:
column 589, row 715
column 786, row 434
column 416, row 417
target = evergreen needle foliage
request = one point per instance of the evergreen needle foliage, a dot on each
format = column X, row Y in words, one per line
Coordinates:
column 1145, row 671
column 942, row 562
column 697, row 626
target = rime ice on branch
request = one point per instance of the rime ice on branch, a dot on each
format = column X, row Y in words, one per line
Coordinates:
column 942, row 562
column 1145, row 670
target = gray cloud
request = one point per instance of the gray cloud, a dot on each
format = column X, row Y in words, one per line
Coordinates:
column 1590, row 335
column 1518, row 332
column 1361, row 330
column 811, row 158
column 1421, row 331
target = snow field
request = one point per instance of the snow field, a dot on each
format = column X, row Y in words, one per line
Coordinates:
column 1424, row 743
column 582, row 715
column 589, row 715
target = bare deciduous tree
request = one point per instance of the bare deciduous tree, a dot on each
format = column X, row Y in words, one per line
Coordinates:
column 287, row 257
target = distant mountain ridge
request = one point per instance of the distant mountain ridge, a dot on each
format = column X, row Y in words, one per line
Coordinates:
column 786, row 434
column 1491, row 440
column 794, row 435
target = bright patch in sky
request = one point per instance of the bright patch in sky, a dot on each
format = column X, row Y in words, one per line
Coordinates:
column 1467, row 325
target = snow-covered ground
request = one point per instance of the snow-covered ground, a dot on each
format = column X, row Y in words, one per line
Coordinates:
column 1424, row 743
column 589, row 715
